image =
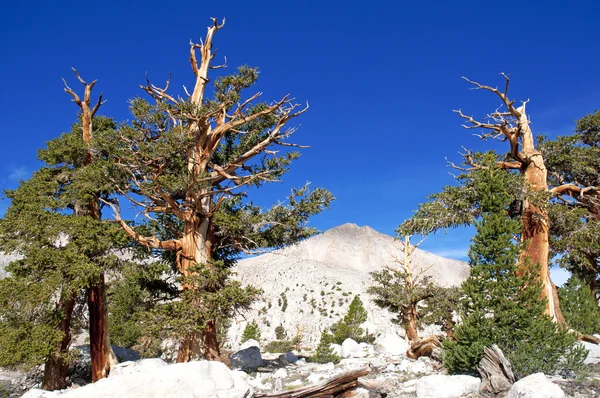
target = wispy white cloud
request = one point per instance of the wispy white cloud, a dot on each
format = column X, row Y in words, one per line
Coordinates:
column 459, row 253
column 18, row 173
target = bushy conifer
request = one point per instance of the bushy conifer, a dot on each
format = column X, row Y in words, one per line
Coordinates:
column 325, row 353
column 579, row 306
column 501, row 306
column 251, row 332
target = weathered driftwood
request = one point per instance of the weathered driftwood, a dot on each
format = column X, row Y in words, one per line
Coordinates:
column 329, row 388
column 588, row 338
column 423, row 347
column 495, row 370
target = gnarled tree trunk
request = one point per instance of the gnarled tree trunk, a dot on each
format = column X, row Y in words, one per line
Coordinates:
column 196, row 250
column 536, row 223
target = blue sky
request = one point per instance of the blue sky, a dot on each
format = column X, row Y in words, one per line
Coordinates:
column 381, row 78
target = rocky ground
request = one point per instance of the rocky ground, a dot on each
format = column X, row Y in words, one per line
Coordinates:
column 391, row 374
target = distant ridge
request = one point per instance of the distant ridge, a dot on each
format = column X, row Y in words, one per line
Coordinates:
column 328, row 270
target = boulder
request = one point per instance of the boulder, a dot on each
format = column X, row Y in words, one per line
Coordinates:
column 280, row 373
column 288, row 358
column 249, row 343
column 534, row 386
column 337, row 349
column 392, row 344
column 37, row 393
column 443, row 386
column 129, row 367
column 248, row 358
column 351, row 349
column 207, row 379
column 594, row 353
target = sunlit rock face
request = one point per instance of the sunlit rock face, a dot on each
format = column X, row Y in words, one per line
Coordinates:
column 315, row 280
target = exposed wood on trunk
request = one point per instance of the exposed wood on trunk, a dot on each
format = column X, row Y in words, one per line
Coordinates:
column 424, row 347
column 209, row 183
column 56, row 366
column 512, row 126
column 332, row 387
column 495, row 370
column 101, row 353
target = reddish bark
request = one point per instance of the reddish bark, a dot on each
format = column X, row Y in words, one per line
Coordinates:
column 100, row 350
column 56, row 366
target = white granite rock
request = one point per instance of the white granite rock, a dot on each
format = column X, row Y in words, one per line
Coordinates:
column 143, row 365
column 249, row 343
column 536, row 385
column 444, row 386
column 594, row 353
column 207, row 379
column 37, row 393
column 392, row 344
column 280, row 373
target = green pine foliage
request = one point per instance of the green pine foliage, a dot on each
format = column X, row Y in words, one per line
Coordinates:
column 251, row 332
column 392, row 293
column 501, row 307
column 579, row 307
column 575, row 225
column 280, row 333
column 349, row 326
column 325, row 353
column 279, row 346
column 190, row 162
column 62, row 253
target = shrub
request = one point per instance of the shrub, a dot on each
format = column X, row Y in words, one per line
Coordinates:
column 579, row 306
column 279, row 346
column 325, row 352
column 349, row 326
column 251, row 331
column 280, row 333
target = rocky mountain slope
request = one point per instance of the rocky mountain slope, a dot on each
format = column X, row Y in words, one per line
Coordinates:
column 310, row 285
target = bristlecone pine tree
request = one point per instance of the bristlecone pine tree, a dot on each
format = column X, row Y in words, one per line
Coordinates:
column 503, row 306
column 65, row 253
column 401, row 291
column 185, row 163
column 456, row 206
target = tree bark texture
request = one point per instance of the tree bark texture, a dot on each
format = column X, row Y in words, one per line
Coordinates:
column 56, row 366
column 101, row 352
column 536, row 223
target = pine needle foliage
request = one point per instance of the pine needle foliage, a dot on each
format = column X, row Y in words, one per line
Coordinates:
column 62, row 253
column 500, row 306
column 325, row 352
column 579, row 306
column 251, row 332
column 349, row 326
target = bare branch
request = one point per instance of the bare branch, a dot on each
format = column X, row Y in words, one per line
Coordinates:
column 149, row 242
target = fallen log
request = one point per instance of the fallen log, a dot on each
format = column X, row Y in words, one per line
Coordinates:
column 588, row 338
column 423, row 347
column 329, row 388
